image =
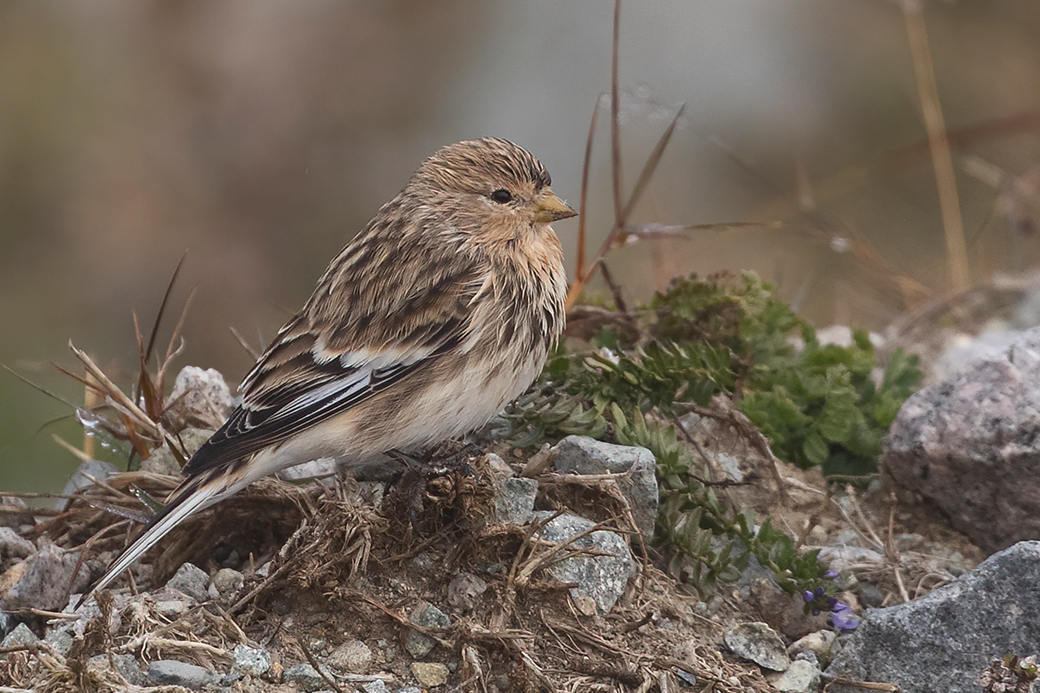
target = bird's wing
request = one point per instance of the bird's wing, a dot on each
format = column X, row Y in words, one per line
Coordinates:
column 323, row 363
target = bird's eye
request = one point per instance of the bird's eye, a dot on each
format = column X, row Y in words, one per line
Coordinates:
column 502, row 196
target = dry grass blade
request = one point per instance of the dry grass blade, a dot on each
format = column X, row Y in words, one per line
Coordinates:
column 942, row 161
column 649, row 167
column 579, row 267
column 146, row 353
column 43, row 389
column 615, row 120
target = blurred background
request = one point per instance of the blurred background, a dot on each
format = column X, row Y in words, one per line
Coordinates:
column 259, row 136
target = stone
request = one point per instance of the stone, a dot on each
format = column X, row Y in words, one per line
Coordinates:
column 429, row 674
column 60, row 639
column 377, row 686
column 464, row 589
column 124, row 665
column 603, row 577
column 170, row 672
column 250, row 661
column 961, row 626
column 352, row 657
column 200, row 398
column 820, row 643
column 514, row 500
column 15, row 519
column 14, row 546
column 42, row 580
column 21, row 636
column 426, row 615
column 636, row 466
column 80, row 478
column 191, row 581
column 163, row 461
column 228, row 582
column 305, row 676
column 759, row 643
column 803, row 676
column 498, row 467
column 313, row 469
column 969, row 445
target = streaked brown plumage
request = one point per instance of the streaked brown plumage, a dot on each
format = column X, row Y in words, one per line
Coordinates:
column 436, row 315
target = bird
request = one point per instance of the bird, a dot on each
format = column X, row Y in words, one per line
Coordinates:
column 436, row 315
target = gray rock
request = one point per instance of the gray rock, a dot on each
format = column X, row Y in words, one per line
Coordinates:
column 514, row 500
column 228, row 582
column 409, row 689
column 170, row 672
column 200, row 398
column 584, row 455
column 820, row 643
column 352, row 657
column 314, row 469
column 95, row 468
column 803, row 676
column 602, row 578
column 464, row 589
column 376, row 686
column 15, row 519
column 429, row 674
column 60, row 639
column 42, row 580
column 123, row 664
column 970, row 445
column 163, row 461
column 943, row 641
column 192, row 581
column 14, row 546
column 250, row 661
column 500, row 469
column 426, row 615
column 758, row 643
column 305, row 676
column 19, row 637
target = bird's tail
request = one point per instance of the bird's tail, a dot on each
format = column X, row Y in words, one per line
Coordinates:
column 194, row 494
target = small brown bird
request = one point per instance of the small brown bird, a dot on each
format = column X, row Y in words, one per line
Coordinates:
column 440, row 312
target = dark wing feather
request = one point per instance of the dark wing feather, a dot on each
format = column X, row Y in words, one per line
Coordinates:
column 301, row 380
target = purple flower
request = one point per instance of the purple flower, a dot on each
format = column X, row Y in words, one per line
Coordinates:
column 841, row 617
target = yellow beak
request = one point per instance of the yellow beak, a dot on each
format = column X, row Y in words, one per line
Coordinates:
column 550, row 208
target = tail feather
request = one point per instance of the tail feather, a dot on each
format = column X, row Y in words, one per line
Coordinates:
column 196, row 493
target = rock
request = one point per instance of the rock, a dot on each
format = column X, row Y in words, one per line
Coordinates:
column 170, row 672
column 820, row 643
column 192, row 581
column 464, row 589
column 60, row 639
column 250, row 661
column 602, row 578
column 960, row 626
column 305, row 676
column 429, row 674
column 79, row 479
column 314, row 469
column 499, row 468
column 173, row 608
column 20, row 637
column 200, row 398
column 514, row 500
column 842, row 559
column 969, row 445
column 41, row 580
column 124, row 665
column 14, row 546
column 803, row 676
column 426, row 615
column 409, row 689
column 376, row 686
column 15, row 519
column 228, row 583
column 758, row 643
column 638, row 467
column 163, row 461
column 352, row 657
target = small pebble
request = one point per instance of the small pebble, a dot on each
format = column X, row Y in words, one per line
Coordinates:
column 353, row 657
column 305, row 676
column 429, row 674
column 169, row 672
column 251, row 661
column 192, row 581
